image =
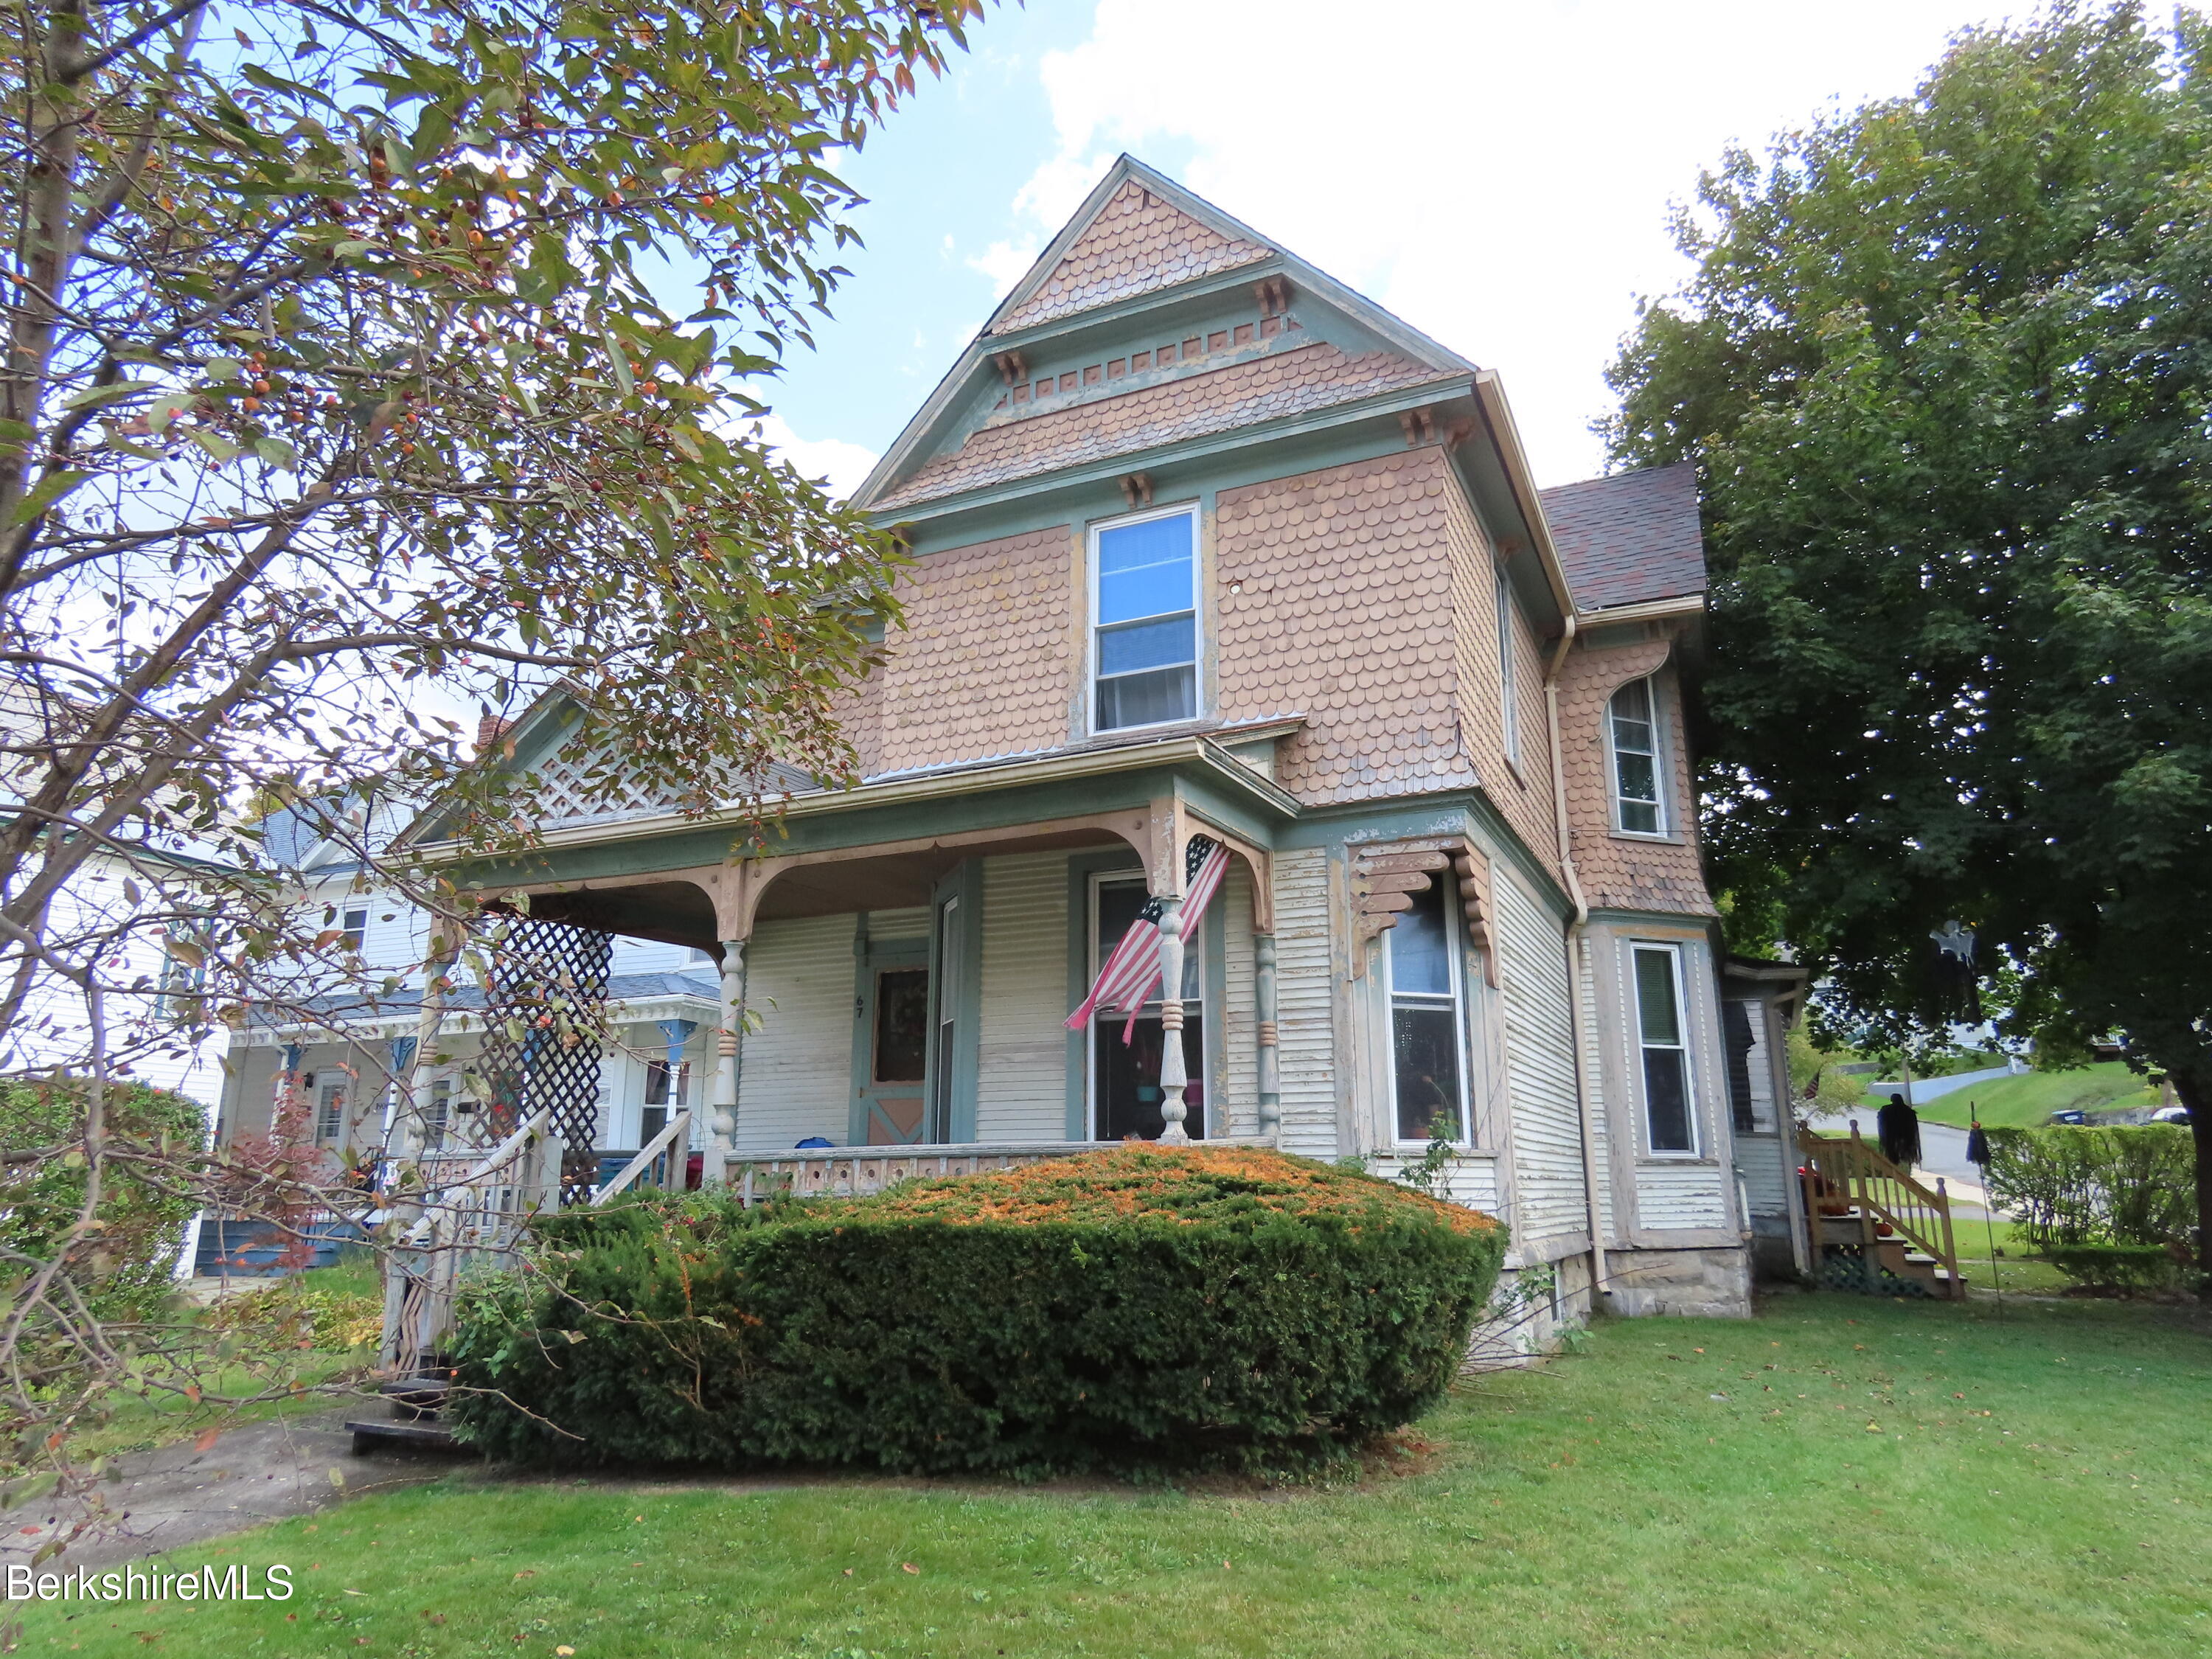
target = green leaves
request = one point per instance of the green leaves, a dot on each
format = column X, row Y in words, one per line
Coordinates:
column 1942, row 367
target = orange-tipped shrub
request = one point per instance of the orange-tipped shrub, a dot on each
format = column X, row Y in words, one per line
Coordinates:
column 1144, row 1307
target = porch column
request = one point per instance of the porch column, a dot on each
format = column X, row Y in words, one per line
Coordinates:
column 722, row 1115
column 1263, row 997
column 1173, row 1075
column 406, row 1143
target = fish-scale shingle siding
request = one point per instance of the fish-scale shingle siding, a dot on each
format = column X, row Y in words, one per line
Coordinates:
column 1137, row 245
column 1343, row 611
column 984, row 665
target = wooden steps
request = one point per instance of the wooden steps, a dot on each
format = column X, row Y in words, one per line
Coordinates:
column 417, row 1403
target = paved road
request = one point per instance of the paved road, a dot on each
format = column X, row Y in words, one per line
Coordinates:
column 162, row 1500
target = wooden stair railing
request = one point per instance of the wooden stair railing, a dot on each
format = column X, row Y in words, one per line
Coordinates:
column 1876, row 1191
column 676, row 1134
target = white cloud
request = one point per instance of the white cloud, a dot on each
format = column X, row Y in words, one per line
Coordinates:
column 1498, row 175
column 841, row 464
column 1004, row 263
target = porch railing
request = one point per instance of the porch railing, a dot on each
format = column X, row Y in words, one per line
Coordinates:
column 465, row 1219
column 659, row 1161
column 1851, row 1186
column 856, row 1171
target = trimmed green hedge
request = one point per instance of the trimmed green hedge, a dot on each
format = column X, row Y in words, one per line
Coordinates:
column 2110, row 1184
column 1140, row 1308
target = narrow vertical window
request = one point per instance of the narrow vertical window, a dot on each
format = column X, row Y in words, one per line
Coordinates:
column 330, row 1114
column 354, row 931
column 1145, row 621
column 437, row 1111
column 1670, row 1126
column 1424, row 1019
column 949, row 958
column 1508, row 690
column 1638, row 807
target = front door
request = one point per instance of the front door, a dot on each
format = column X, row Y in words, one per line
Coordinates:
column 892, row 1049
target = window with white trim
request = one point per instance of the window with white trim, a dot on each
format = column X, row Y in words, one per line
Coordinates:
column 1143, row 613
column 1427, row 1029
column 330, row 1114
column 353, row 930
column 1661, row 1020
column 437, row 1114
column 1639, row 803
column 1508, row 687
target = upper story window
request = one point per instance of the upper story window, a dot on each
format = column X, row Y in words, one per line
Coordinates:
column 1639, row 806
column 353, row 930
column 1425, row 1023
column 1509, row 688
column 1144, row 608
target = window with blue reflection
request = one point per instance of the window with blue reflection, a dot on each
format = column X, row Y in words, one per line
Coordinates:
column 1147, row 648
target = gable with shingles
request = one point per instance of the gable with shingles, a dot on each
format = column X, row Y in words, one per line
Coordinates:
column 1136, row 244
column 1290, row 382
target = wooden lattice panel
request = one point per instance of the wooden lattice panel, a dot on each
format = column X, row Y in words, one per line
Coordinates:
column 544, row 1023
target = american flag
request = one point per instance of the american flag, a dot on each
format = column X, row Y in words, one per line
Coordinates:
column 1132, row 972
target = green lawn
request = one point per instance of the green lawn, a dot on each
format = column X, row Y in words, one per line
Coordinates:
column 2030, row 1098
column 1843, row 1478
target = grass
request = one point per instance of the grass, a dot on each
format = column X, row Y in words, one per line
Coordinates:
column 1842, row 1477
column 2017, row 1269
column 161, row 1417
column 2029, row 1099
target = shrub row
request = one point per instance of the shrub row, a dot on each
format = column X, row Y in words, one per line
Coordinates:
column 1140, row 1308
column 2108, row 1185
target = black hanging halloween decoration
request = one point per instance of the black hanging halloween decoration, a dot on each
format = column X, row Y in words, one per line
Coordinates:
column 1958, row 987
column 1897, row 1127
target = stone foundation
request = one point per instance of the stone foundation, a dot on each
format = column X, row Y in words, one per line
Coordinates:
column 1532, row 1327
column 1705, row 1284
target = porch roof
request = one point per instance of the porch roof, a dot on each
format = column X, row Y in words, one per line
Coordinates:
column 1193, row 765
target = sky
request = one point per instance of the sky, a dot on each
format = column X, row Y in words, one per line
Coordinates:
column 1499, row 175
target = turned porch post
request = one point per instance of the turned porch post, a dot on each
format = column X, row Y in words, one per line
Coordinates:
column 722, row 1114
column 1263, row 997
column 1173, row 1075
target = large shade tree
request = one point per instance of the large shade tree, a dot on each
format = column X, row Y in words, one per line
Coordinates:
column 1945, row 364
column 353, row 349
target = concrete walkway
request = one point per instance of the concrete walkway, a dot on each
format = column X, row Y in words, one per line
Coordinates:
column 160, row 1500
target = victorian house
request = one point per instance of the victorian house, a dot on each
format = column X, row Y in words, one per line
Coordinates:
column 1206, row 545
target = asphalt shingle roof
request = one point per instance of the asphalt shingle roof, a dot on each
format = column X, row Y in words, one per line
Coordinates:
column 1629, row 538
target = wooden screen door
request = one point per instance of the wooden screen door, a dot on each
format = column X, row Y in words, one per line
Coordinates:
column 893, row 1049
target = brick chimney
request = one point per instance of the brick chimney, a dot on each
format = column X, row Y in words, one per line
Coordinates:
column 491, row 728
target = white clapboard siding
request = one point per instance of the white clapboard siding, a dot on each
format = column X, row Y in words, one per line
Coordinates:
column 796, row 1078
column 1759, row 1154
column 1594, row 1106
column 1469, row 1180
column 1234, row 1107
column 1688, row 1195
column 886, row 925
column 1304, row 990
column 1021, row 1088
column 1548, row 1183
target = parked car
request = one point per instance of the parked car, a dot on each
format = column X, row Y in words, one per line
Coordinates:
column 2071, row 1115
column 2170, row 1115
